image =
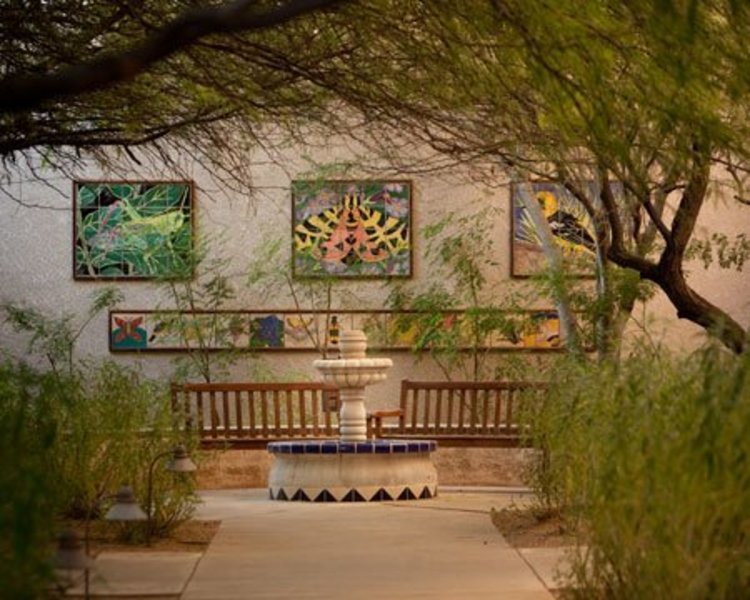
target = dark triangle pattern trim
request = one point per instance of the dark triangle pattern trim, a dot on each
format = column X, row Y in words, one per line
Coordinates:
column 425, row 494
column 353, row 496
column 281, row 495
column 407, row 495
column 381, row 494
column 300, row 496
column 325, row 496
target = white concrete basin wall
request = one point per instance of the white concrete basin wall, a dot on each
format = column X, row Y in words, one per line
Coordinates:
column 352, row 468
column 338, row 471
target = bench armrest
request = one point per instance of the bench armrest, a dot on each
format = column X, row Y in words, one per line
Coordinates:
column 375, row 421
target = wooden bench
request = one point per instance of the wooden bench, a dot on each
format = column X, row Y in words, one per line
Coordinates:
column 457, row 413
column 249, row 415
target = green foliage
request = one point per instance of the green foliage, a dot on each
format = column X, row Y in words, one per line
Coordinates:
column 719, row 248
column 210, row 290
column 28, row 494
column 68, row 438
column 66, row 444
column 602, row 310
column 55, row 338
column 649, row 460
column 269, row 277
column 460, row 254
column 112, row 424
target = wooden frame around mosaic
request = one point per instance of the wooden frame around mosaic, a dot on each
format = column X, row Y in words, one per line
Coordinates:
column 106, row 239
column 289, row 330
column 300, row 271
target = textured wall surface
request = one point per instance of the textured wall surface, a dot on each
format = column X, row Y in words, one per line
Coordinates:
column 36, row 254
column 36, row 270
column 36, row 258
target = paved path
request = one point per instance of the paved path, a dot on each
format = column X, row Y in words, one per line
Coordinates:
column 445, row 548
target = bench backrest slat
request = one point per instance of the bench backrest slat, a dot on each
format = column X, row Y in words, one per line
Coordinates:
column 509, row 409
column 329, row 426
column 238, row 412
column 315, row 412
column 452, row 415
column 426, row 413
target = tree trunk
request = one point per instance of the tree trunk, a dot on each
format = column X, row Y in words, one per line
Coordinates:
column 690, row 305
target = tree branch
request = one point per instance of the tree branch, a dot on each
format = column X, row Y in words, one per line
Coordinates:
column 26, row 92
column 617, row 251
column 688, row 210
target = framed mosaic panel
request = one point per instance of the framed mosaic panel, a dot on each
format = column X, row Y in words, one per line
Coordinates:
column 352, row 229
column 570, row 225
column 543, row 330
column 308, row 331
column 132, row 230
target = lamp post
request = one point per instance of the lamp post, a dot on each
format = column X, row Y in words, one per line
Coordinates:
column 180, row 463
column 73, row 554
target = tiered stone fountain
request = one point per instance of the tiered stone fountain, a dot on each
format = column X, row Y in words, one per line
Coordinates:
column 352, row 468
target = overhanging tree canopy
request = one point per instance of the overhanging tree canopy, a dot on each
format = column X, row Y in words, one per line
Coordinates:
column 92, row 74
column 650, row 94
column 653, row 95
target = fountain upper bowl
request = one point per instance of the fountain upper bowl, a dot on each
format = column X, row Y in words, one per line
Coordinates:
column 353, row 372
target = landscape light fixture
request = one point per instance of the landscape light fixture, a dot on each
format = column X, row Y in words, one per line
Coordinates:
column 71, row 555
column 179, row 463
column 126, row 507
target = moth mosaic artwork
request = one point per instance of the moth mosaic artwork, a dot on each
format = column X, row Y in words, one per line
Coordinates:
column 358, row 229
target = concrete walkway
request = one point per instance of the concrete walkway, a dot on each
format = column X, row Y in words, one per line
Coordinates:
column 441, row 548
column 444, row 548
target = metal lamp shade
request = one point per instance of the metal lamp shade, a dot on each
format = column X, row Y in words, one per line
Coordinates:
column 70, row 553
column 181, row 461
column 125, row 507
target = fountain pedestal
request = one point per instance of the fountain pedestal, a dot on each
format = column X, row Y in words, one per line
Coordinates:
column 352, row 416
column 352, row 468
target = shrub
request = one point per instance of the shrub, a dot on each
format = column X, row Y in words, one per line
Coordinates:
column 66, row 443
column 112, row 427
column 28, row 496
column 111, row 421
column 650, row 460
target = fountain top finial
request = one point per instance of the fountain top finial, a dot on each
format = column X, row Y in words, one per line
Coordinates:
column 353, row 344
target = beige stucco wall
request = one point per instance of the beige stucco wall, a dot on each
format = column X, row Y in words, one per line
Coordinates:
column 36, row 270
column 36, row 255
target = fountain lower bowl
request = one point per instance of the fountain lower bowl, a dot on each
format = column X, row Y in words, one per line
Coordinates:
column 352, row 471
